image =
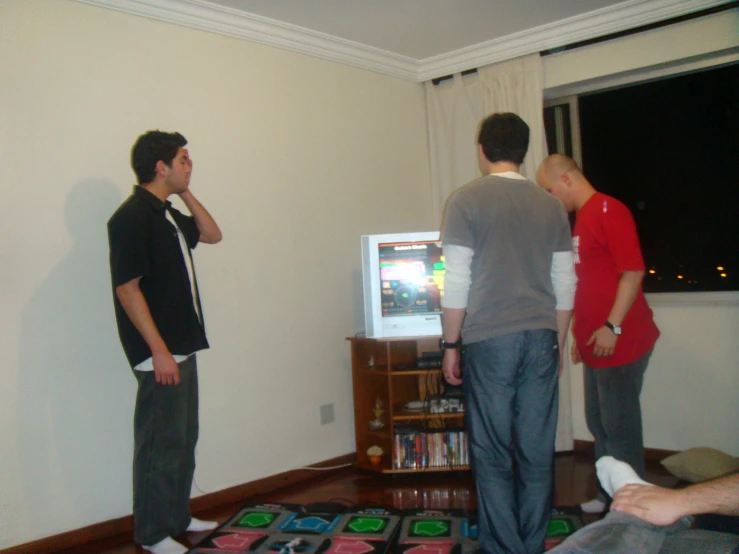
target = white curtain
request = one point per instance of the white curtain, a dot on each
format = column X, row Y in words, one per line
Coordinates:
column 455, row 108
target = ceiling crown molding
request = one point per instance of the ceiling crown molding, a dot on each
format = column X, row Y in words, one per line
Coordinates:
column 214, row 18
column 598, row 23
column 205, row 16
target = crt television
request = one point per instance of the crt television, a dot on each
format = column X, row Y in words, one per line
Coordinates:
column 403, row 275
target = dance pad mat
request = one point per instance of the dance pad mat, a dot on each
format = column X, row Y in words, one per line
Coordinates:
column 293, row 529
column 326, row 529
column 455, row 531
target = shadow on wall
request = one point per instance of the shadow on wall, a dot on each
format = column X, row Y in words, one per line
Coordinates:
column 76, row 394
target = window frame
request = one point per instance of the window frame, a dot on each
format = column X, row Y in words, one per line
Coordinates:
column 569, row 94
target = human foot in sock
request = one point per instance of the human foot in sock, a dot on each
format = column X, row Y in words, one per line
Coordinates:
column 200, row 525
column 166, row 546
column 614, row 474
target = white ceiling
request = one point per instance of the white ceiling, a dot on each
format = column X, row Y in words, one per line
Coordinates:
column 418, row 29
column 412, row 39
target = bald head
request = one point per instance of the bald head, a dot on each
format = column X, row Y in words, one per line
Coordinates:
column 557, row 164
column 560, row 175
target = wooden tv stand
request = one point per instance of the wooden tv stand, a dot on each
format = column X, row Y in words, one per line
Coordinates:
column 385, row 370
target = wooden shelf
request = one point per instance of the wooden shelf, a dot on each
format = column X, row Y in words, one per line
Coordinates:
column 376, row 371
column 393, row 393
column 416, row 372
column 380, row 432
column 428, row 469
column 421, row 417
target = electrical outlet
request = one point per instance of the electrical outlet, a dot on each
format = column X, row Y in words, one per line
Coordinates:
column 327, row 414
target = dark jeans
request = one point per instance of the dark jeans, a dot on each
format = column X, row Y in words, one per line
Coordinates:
column 165, row 435
column 510, row 390
column 613, row 412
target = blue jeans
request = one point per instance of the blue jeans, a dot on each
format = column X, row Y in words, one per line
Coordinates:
column 510, row 389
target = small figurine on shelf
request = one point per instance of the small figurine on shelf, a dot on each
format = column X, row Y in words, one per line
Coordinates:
column 375, row 453
column 377, row 423
column 371, row 361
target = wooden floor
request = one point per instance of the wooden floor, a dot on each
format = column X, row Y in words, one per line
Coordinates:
column 575, row 482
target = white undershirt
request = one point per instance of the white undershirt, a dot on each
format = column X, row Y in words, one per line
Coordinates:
column 458, row 276
column 148, row 364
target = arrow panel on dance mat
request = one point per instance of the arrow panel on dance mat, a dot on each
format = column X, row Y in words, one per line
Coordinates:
column 257, row 520
column 430, row 528
column 367, row 524
column 350, row 546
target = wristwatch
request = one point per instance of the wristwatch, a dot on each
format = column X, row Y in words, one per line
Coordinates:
column 449, row 345
column 615, row 328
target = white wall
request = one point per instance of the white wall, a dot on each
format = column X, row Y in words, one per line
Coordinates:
column 692, row 383
column 295, row 157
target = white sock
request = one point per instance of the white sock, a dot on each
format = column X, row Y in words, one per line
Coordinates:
column 166, row 546
column 595, row 506
column 614, row 474
column 200, row 525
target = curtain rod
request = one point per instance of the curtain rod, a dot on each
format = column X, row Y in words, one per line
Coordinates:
column 651, row 26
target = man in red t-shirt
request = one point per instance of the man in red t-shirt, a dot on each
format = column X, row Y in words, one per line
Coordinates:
column 614, row 331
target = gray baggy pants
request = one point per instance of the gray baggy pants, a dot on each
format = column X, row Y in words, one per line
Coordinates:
column 165, row 435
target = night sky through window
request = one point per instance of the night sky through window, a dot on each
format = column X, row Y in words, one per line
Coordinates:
column 669, row 150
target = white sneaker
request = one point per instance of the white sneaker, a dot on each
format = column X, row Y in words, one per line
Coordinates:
column 593, row 506
column 197, row 525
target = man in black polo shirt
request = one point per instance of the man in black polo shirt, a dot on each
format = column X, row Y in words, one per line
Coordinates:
column 160, row 324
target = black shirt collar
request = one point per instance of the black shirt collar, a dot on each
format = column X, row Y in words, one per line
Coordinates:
column 149, row 197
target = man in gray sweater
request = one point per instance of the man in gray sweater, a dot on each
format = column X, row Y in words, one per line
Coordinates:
column 509, row 291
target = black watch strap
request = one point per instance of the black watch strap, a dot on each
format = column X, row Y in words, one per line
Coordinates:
column 449, row 345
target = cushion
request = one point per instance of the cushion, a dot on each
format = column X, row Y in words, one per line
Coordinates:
column 700, row 464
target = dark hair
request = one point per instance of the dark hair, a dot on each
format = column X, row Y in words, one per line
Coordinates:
column 504, row 137
column 152, row 147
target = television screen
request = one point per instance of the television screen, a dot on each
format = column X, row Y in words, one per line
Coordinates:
column 412, row 277
column 403, row 277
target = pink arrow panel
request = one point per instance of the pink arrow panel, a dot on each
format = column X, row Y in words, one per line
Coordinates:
column 240, row 541
column 432, row 547
column 350, row 546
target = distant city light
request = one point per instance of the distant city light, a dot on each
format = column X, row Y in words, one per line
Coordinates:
column 679, row 276
column 723, row 275
column 652, row 271
column 720, row 268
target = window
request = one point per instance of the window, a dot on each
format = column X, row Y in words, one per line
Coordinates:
column 668, row 150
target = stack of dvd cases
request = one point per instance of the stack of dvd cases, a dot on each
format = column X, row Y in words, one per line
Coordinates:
column 426, row 449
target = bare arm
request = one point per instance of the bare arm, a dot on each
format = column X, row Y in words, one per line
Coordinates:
column 719, row 496
column 575, row 352
column 628, row 288
column 137, row 309
column 661, row 506
column 451, row 322
column 210, row 233
column 563, row 325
